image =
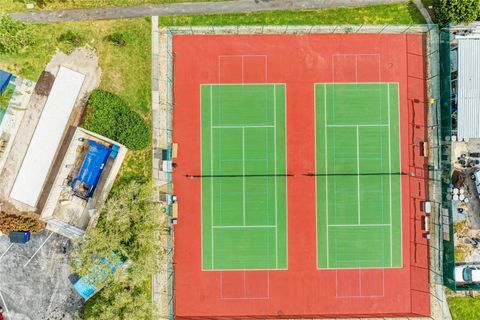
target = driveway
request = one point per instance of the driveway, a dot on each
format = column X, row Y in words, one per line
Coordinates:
column 34, row 281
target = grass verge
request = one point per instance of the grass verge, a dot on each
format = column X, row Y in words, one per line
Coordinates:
column 402, row 13
column 464, row 308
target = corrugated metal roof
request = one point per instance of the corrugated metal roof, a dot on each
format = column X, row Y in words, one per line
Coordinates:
column 46, row 138
column 469, row 88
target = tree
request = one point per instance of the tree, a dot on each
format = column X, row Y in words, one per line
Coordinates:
column 457, row 11
column 129, row 226
column 14, row 35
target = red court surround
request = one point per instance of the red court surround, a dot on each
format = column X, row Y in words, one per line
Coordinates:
column 299, row 61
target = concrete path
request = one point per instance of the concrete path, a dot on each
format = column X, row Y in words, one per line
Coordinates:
column 423, row 10
column 189, row 8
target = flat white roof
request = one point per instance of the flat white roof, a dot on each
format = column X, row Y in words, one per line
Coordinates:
column 468, row 88
column 46, row 138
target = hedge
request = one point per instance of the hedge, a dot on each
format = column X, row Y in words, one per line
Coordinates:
column 110, row 116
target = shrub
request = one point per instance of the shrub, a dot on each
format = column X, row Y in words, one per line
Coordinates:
column 72, row 38
column 109, row 116
column 117, row 39
column 20, row 222
column 14, row 35
column 457, row 11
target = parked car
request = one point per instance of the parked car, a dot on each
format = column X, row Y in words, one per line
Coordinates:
column 465, row 274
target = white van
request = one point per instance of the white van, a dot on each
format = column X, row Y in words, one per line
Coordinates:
column 467, row 274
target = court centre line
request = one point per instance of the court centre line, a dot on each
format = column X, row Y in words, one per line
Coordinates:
column 5, row 252
column 241, row 127
column 358, row 125
column 211, row 169
column 390, row 170
column 275, row 168
column 358, row 173
column 243, row 164
column 51, row 234
column 326, row 166
column 244, row 227
column 359, row 225
column 5, row 305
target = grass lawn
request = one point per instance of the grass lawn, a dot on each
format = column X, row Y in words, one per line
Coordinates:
column 464, row 308
column 19, row 5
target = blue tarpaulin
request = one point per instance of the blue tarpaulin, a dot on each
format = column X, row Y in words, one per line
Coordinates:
column 4, row 80
column 91, row 169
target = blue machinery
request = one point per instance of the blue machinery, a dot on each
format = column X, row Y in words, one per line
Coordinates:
column 84, row 184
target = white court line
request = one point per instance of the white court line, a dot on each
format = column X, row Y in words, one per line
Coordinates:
column 243, row 227
column 242, row 127
column 326, row 168
column 38, row 249
column 275, row 168
column 316, row 170
column 211, row 166
column 6, row 251
column 390, row 176
column 243, row 164
column 5, row 305
column 358, row 173
column 358, row 125
column 359, row 225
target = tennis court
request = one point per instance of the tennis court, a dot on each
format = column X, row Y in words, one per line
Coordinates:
column 243, row 177
column 358, row 175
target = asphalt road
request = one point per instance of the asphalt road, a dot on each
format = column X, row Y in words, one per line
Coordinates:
column 189, row 9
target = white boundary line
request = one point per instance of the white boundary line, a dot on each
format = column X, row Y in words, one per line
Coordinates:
column 400, row 167
column 358, row 175
column 211, row 169
column 359, row 225
column 240, row 127
column 316, row 169
column 275, row 168
column 5, row 252
column 5, row 305
column 43, row 243
column 243, row 227
column 356, row 125
column 243, row 168
column 211, row 160
column 326, row 170
column 324, row 84
column 390, row 170
column 201, row 186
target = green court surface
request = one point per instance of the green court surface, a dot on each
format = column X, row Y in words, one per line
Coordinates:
column 358, row 175
column 244, row 213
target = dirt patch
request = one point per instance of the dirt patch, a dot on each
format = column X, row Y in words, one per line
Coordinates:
column 44, row 84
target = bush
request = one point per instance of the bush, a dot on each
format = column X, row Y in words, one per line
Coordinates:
column 117, row 39
column 457, row 11
column 72, row 38
column 14, row 35
column 109, row 116
column 20, row 222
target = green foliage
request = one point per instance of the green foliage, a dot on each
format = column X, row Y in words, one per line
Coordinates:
column 128, row 225
column 14, row 35
column 464, row 308
column 108, row 115
column 117, row 38
column 457, row 11
column 72, row 37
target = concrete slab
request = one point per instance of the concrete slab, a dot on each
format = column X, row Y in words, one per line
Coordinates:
column 34, row 280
